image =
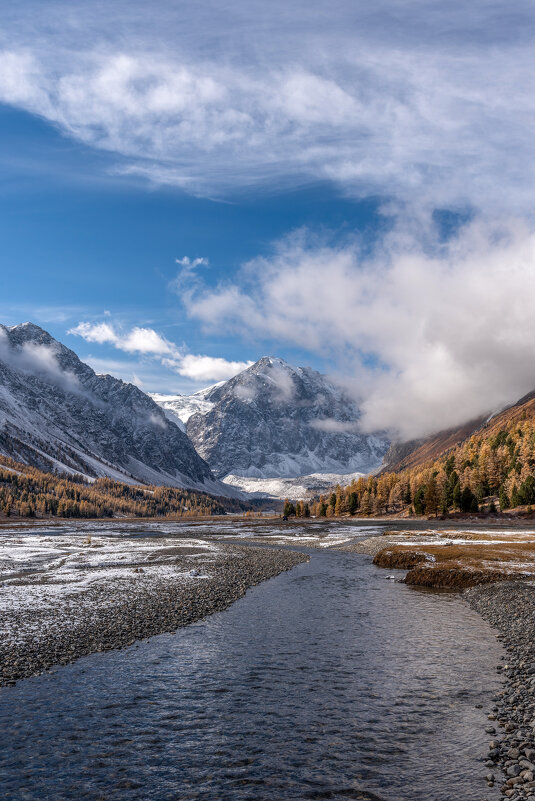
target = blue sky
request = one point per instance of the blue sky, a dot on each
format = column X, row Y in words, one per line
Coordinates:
column 81, row 245
column 188, row 188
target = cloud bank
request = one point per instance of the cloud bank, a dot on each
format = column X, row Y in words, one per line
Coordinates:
column 433, row 105
column 146, row 341
column 425, row 338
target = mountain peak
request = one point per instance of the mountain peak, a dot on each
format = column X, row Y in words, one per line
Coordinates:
column 57, row 414
column 269, row 361
column 274, row 419
column 23, row 332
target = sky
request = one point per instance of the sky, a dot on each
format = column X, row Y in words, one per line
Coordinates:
column 188, row 187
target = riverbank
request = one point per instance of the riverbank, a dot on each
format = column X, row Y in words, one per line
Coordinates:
column 510, row 608
column 66, row 597
column 449, row 558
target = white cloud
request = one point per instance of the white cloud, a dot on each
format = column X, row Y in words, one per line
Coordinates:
column 138, row 340
column 335, row 426
column 191, row 264
column 245, row 392
column 38, row 359
column 147, row 342
column 433, row 105
column 426, row 338
column 284, row 383
column 187, row 276
column 209, row 368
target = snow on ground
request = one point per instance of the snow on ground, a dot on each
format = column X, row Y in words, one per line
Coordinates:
column 447, row 537
column 39, row 570
column 296, row 489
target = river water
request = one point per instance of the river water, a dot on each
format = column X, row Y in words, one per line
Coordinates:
column 328, row 682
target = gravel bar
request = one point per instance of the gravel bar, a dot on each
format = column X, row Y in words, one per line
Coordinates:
column 372, row 545
column 102, row 619
column 510, row 608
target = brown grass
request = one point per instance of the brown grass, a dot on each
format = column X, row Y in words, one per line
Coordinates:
column 454, row 577
column 400, row 558
column 461, row 564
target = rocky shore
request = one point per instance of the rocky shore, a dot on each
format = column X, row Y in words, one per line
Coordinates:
column 510, row 608
column 106, row 616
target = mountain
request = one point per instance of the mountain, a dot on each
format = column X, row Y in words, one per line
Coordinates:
column 402, row 455
column 413, row 454
column 179, row 408
column 275, row 420
column 56, row 413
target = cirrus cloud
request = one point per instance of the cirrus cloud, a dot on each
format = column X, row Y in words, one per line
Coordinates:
column 434, row 107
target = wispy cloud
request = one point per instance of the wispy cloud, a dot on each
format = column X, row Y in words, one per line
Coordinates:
column 432, row 106
column 147, row 342
column 425, row 337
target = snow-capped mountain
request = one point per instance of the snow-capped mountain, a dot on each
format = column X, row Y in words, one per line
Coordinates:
column 57, row 414
column 179, row 408
column 274, row 420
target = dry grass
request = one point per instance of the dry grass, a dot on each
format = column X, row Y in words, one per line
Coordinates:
column 477, row 559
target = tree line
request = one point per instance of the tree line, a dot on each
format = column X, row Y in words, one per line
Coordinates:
column 490, row 472
column 29, row 492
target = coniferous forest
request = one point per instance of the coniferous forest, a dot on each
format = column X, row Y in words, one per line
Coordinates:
column 28, row 492
column 491, row 471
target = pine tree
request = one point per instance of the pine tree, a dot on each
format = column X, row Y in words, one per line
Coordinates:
column 468, row 501
column 419, row 506
column 431, row 497
column 353, row 503
column 456, row 496
column 504, row 500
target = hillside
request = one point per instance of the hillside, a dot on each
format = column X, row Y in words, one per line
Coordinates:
column 485, row 466
column 401, row 456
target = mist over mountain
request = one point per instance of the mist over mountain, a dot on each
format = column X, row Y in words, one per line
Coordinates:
column 275, row 420
column 56, row 413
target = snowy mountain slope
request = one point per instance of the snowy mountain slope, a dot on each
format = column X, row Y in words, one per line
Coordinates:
column 273, row 420
column 57, row 414
column 179, row 408
column 296, row 489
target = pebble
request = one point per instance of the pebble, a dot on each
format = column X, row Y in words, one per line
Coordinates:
column 104, row 618
column 510, row 608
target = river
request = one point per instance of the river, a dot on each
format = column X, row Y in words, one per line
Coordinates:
column 327, row 682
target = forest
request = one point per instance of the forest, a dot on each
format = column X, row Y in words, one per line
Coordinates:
column 491, row 472
column 28, row 492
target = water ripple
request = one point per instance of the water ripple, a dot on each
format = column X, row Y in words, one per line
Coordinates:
column 325, row 683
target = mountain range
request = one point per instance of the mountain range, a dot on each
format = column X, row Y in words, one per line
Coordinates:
column 57, row 414
column 273, row 430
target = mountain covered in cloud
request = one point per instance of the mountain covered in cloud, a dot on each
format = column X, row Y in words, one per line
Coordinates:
column 275, row 420
column 56, row 413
